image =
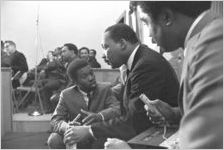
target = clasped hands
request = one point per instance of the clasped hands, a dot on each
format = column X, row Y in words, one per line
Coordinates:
column 76, row 132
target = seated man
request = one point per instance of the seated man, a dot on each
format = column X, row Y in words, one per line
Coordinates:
column 54, row 80
column 92, row 59
column 17, row 62
column 93, row 101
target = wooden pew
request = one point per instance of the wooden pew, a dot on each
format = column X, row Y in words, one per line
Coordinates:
column 106, row 75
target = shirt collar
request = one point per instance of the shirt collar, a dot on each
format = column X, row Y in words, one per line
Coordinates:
column 197, row 20
column 131, row 57
column 81, row 91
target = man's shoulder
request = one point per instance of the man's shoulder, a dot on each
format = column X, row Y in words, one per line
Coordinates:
column 212, row 30
column 18, row 53
column 68, row 90
column 147, row 56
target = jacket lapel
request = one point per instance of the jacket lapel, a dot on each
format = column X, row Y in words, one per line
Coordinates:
column 79, row 99
column 127, row 87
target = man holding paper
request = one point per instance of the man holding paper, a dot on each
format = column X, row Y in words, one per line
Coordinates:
column 95, row 102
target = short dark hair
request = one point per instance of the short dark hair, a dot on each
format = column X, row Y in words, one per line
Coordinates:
column 122, row 31
column 11, row 43
column 74, row 66
column 188, row 8
column 94, row 51
column 83, row 48
column 72, row 47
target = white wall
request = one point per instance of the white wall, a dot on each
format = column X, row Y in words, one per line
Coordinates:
column 79, row 22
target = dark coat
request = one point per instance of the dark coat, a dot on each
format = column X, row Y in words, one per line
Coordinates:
column 150, row 74
column 18, row 62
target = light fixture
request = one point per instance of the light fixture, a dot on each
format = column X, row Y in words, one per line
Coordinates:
column 35, row 113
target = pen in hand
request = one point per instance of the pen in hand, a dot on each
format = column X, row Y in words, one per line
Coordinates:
column 75, row 121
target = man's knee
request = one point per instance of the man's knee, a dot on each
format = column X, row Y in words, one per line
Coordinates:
column 55, row 141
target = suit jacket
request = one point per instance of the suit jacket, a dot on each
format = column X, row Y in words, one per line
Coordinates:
column 93, row 62
column 150, row 74
column 201, row 95
column 71, row 102
column 18, row 62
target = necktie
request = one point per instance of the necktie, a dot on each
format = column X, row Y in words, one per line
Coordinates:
column 127, row 73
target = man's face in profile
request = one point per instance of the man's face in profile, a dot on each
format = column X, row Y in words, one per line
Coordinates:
column 113, row 50
column 66, row 53
column 162, row 32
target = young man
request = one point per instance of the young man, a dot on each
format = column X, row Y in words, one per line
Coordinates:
column 153, row 77
column 94, row 101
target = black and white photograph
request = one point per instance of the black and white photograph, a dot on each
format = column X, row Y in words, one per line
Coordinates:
column 111, row 74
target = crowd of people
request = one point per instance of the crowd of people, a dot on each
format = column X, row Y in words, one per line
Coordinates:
column 50, row 73
column 89, row 114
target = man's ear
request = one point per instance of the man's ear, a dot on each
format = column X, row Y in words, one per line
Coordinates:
column 167, row 17
column 123, row 44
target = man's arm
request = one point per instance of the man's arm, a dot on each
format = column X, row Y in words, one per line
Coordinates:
column 202, row 123
column 112, row 107
column 59, row 118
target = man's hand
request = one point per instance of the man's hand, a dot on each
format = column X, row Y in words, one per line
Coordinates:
column 167, row 111
column 113, row 143
column 75, row 134
column 91, row 117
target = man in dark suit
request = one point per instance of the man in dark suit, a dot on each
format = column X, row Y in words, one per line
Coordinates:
column 17, row 62
column 149, row 73
column 92, row 59
column 87, row 98
column 199, row 31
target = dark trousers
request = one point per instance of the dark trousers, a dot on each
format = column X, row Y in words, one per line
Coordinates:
column 48, row 86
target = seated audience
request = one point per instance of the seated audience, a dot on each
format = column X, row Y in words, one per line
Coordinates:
column 54, row 79
column 94, row 101
column 40, row 70
column 69, row 52
column 92, row 59
column 17, row 62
